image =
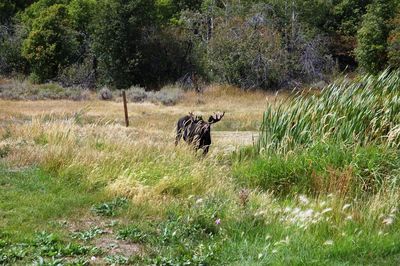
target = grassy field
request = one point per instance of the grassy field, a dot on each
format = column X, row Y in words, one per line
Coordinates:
column 78, row 188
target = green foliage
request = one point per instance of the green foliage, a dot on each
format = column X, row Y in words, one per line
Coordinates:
column 34, row 10
column 322, row 169
column 372, row 37
column 394, row 43
column 348, row 16
column 169, row 11
column 11, row 60
column 88, row 234
column 4, row 151
column 8, row 8
column 132, row 233
column 29, row 192
column 110, row 208
column 51, row 43
column 82, row 13
column 359, row 112
column 279, row 48
column 262, row 66
column 116, row 260
column 158, row 42
column 25, row 90
column 119, row 29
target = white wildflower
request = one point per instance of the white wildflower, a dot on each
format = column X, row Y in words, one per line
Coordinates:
column 326, row 210
column 346, row 206
column 283, row 241
column 296, row 211
column 303, row 200
column 388, row 221
column 349, row 218
column 328, row 243
column 287, row 209
column 199, row 201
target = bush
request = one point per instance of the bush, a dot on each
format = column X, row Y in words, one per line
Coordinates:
column 394, row 43
column 51, row 43
column 118, row 31
column 105, row 94
column 166, row 96
column 322, row 169
column 11, row 61
column 371, row 51
column 250, row 48
column 78, row 74
column 24, row 90
column 136, row 94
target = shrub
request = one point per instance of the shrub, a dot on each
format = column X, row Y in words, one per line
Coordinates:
column 136, row 94
column 394, row 43
column 371, row 51
column 167, row 96
column 118, row 31
column 110, row 208
column 322, row 169
column 247, row 47
column 105, row 94
column 78, row 74
column 51, row 43
column 24, row 90
column 11, row 60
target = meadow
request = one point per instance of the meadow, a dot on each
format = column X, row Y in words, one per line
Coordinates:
column 318, row 187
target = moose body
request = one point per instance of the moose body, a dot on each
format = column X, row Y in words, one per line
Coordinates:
column 194, row 130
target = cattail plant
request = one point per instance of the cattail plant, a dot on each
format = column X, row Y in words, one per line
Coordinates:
column 358, row 112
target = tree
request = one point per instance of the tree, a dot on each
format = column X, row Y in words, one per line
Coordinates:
column 371, row 51
column 118, row 32
column 51, row 43
column 11, row 61
column 394, row 43
column 8, row 8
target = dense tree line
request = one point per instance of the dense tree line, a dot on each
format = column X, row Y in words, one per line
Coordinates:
column 249, row 43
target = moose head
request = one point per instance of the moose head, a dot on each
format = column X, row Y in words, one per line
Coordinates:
column 196, row 131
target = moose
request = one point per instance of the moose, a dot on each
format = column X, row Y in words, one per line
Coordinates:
column 196, row 131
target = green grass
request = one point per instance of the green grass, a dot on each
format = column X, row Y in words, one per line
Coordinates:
column 320, row 169
column 320, row 188
column 31, row 200
column 363, row 111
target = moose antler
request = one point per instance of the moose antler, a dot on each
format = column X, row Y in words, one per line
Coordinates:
column 216, row 117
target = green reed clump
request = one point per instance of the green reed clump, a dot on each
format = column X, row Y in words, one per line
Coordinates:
column 359, row 112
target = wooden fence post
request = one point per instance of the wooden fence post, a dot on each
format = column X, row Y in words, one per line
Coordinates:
column 125, row 109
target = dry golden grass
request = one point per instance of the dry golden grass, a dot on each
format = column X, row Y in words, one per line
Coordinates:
column 244, row 112
column 87, row 140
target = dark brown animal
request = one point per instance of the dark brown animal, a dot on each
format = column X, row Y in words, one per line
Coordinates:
column 196, row 131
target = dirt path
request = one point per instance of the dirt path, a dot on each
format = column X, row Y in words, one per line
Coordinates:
column 234, row 138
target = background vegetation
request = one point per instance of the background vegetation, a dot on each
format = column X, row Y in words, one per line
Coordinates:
column 265, row 44
column 321, row 185
column 310, row 177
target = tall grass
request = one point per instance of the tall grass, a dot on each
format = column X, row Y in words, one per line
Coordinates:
column 182, row 209
column 351, row 112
